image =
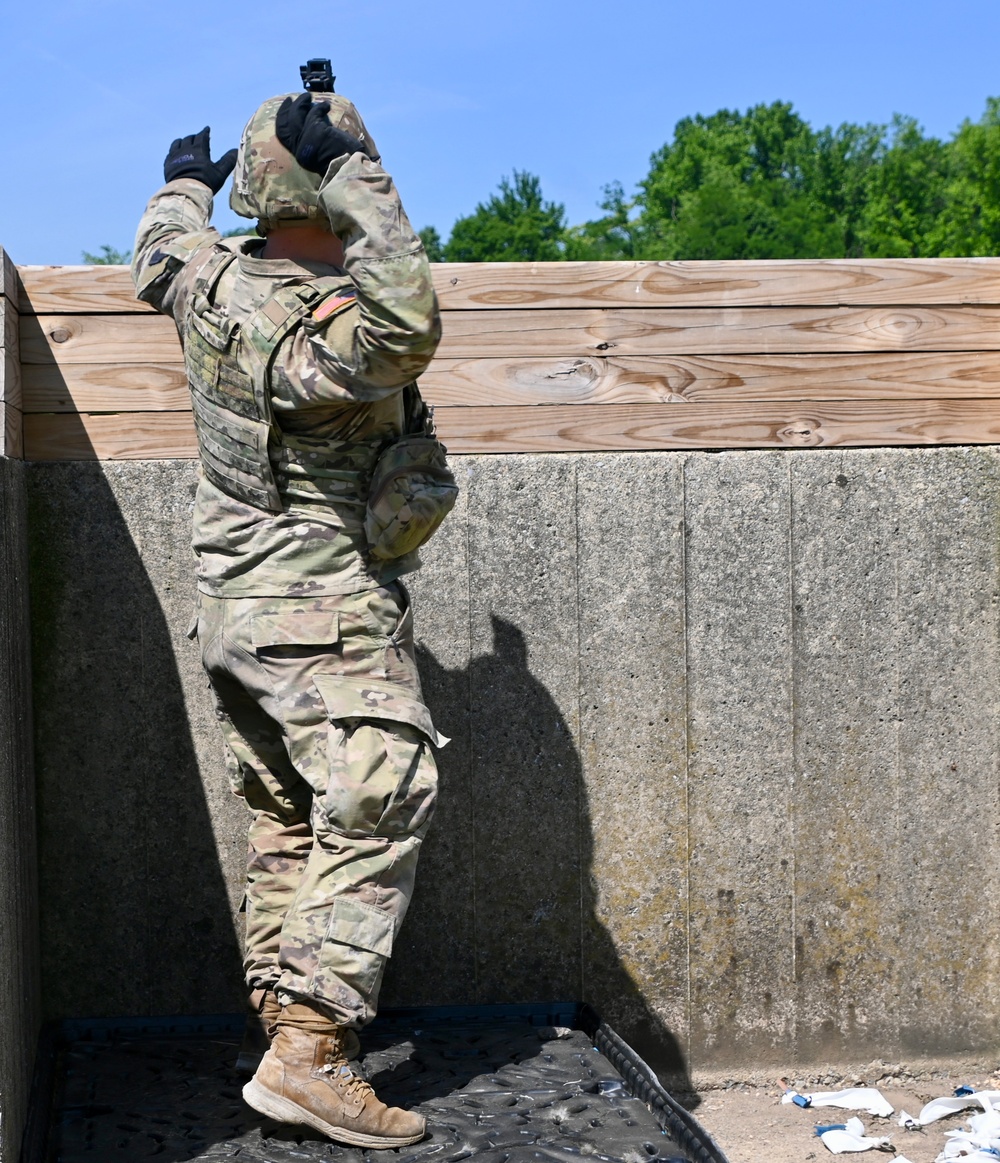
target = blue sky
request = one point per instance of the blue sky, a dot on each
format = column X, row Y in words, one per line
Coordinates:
column 456, row 94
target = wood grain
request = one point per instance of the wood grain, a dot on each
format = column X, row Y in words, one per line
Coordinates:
column 117, row 339
column 102, row 339
column 10, row 364
column 720, row 331
column 95, row 387
column 684, row 379
column 775, row 282
column 500, row 286
column 9, row 284
column 806, row 424
column 11, row 444
column 598, row 380
column 568, row 428
column 123, row 436
column 88, row 290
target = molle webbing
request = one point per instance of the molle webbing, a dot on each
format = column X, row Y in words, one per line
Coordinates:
column 243, row 452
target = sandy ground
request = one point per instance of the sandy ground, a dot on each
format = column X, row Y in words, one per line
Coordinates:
column 750, row 1123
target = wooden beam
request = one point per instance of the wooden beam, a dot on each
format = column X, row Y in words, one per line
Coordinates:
column 10, row 362
column 790, row 424
column 703, row 379
column 83, row 290
column 599, row 380
column 102, row 339
column 720, row 331
column 501, row 286
column 568, row 428
column 9, row 282
column 11, row 432
column 132, row 339
column 95, row 387
column 122, row 436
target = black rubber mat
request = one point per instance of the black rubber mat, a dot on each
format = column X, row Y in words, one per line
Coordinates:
column 505, row 1085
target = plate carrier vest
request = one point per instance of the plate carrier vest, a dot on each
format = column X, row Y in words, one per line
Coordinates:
column 239, row 441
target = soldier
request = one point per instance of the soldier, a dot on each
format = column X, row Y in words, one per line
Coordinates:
column 320, row 475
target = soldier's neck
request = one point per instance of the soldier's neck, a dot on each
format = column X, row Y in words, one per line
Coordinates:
column 305, row 242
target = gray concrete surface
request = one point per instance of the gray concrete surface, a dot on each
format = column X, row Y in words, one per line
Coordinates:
column 724, row 750
column 19, row 980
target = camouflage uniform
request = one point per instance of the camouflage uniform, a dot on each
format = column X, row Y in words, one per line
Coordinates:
column 306, row 636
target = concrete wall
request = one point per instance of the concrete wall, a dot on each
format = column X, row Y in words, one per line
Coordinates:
column 18, row 920
column 724, row 755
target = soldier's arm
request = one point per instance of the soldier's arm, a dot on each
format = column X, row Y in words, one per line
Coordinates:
column 172, row 231
column 386, row 336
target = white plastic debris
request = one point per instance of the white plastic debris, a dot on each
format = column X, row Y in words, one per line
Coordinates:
column 850, row 1137
column 856, row 1098
column 938, row 1108
column 979, row 1144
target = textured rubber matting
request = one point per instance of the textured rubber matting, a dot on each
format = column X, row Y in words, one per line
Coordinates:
column 497, row 1091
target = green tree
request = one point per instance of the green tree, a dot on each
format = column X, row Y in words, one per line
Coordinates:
column 618, row 235
column 737, row 185
column 108, row 257
column 432, row 243
column 515, row 225
column 905, row 193
column 968, row 221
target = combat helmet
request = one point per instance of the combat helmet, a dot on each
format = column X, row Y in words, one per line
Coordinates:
column 268, row 183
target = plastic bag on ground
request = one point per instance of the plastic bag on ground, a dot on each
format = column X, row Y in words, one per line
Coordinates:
column 938, row 1108
column 851, row 1137
column 856, row 1098
column 979, row 1144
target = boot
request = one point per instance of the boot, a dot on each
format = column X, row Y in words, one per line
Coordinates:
column 305, row 1079
column 265, row 1009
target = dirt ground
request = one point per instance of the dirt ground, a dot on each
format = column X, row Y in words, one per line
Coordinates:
column 747, row 1119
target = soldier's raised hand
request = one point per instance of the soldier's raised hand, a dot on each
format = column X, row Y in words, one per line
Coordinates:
column 191, row 157
column 304, row 130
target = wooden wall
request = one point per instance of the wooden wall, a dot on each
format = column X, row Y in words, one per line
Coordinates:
column 558, row 357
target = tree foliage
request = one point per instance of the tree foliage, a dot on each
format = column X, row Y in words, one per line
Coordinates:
column 109, row 256
column 765, row 184
column 758, row 184
column 515, row 225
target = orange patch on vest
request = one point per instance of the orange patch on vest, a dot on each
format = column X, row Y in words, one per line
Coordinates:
column 332, row 306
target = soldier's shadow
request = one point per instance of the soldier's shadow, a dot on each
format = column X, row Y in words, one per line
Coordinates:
column 537, row 936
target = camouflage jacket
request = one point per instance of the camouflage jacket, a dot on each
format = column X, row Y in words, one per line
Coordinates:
column 338, row 382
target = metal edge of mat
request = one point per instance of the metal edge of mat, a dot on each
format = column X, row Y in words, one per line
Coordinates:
column 639, row 1078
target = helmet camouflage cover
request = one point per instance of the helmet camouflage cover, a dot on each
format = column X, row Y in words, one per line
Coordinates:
column 268, row 183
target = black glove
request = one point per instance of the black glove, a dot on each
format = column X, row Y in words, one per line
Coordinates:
column 190, row 157
column 303, row 129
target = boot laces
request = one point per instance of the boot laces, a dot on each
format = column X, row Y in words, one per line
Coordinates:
column 353, row 1084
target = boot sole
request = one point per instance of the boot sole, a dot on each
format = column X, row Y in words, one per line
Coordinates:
column 282, row 1110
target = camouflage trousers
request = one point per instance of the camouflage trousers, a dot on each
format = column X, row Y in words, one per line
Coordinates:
column 328, row 742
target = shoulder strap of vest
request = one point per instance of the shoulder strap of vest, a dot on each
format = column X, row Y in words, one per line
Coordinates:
column 276, row 318
column 213, row 325
column 208, row 277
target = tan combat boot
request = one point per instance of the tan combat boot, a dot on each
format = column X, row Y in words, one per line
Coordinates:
column 265, row 1009
column 305, row 1079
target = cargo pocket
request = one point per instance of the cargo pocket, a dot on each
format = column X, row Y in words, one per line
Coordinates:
column 357, row 944
column 304, row 628
column 383, row 778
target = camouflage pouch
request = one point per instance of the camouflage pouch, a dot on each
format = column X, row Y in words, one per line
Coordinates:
column 412, row 491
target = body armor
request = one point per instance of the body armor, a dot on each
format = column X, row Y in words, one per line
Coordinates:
column 402, row 489
column 243, row 451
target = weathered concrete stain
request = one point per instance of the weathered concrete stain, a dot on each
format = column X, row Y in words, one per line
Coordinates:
column 725, row 745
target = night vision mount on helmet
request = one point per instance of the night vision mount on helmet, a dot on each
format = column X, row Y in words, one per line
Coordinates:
column 268, row 183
